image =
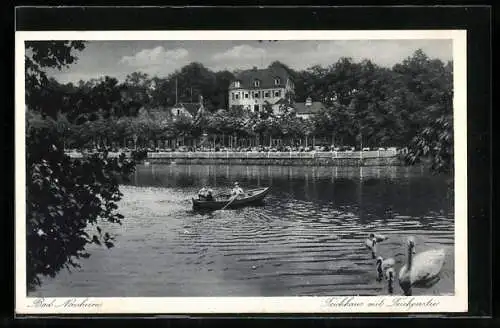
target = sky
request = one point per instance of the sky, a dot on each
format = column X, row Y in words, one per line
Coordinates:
column 160, row 58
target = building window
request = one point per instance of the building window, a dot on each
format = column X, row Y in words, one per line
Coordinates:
column 267, row 94
column 232, row 95
column 257, row 94
column 237, row 96
column 178, row 112
column 246, row 95
column 277, row 81
column 237, row 84
column 256, row 108
column 277, row 93
column 256, row 83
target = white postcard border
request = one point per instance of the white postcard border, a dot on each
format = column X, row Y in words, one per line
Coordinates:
column 179, row 305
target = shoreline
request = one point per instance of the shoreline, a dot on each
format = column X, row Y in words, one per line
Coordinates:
column 356, row 159
column 341, row 162
column 341, row 159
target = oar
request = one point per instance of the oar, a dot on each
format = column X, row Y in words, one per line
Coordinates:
column 229, row 203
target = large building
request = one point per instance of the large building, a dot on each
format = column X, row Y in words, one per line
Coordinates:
column 254, row 88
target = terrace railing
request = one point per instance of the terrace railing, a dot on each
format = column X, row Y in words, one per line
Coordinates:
column 274, row 155
column 260, row 155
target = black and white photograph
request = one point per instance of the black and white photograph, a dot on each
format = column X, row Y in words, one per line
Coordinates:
column 270, row 165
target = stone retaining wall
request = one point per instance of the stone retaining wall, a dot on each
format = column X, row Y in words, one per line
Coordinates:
column 382, row 161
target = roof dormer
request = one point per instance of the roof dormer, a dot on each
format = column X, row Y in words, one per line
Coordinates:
column 256, row 83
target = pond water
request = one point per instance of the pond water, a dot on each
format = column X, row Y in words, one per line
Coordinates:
column 307, row 238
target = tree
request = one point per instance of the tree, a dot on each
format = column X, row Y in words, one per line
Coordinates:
column 431, row 83
column 326, row 124
column 137, row 89
column 42, row 54
column 220, row 96
column 184, row 126
column 290, row 127
column 267, row 111
column 195, row 80
column 105, row 96
column 64, row 196
column 277, row 64
column 436, row 143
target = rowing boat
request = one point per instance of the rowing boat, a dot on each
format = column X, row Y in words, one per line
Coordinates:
column 249, row 197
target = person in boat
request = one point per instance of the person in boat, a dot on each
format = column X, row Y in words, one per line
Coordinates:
column 210, row 194
column 206, row 193
column 237, row 191
column 203, row 193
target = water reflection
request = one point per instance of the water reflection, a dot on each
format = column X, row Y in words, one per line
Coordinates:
column 307, row 238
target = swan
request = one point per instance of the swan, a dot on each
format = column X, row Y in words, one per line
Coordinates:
column 422, row 270
column 370, row 244
column 378, row 237
column 390, row 275
column 383, row 265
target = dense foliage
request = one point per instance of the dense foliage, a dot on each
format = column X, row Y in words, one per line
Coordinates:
column 65, row 197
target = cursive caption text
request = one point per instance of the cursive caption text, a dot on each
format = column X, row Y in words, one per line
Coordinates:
column 46, row 303
column 404, row 303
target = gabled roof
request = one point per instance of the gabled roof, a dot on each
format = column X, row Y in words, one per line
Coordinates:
column 265, row 76
column 192, row 108
column 314, row 108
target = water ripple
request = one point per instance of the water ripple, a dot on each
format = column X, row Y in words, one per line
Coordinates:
column 308, row 238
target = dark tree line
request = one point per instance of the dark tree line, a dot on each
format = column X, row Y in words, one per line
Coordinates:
column 84, row 100
column 365, row 104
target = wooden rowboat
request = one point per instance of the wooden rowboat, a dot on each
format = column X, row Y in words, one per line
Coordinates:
column 250, row 197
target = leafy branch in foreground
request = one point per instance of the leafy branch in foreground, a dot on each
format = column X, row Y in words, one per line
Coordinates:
column 435, row 143
column 64, row 197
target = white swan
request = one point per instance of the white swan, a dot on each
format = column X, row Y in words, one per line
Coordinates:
column 371, row 245
column 383, row 265
column 422, row 270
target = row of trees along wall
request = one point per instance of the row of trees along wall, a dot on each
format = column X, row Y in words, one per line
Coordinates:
column 365, row 104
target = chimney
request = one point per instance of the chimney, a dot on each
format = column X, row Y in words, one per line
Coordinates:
column 254, row 68
column 308, row 101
